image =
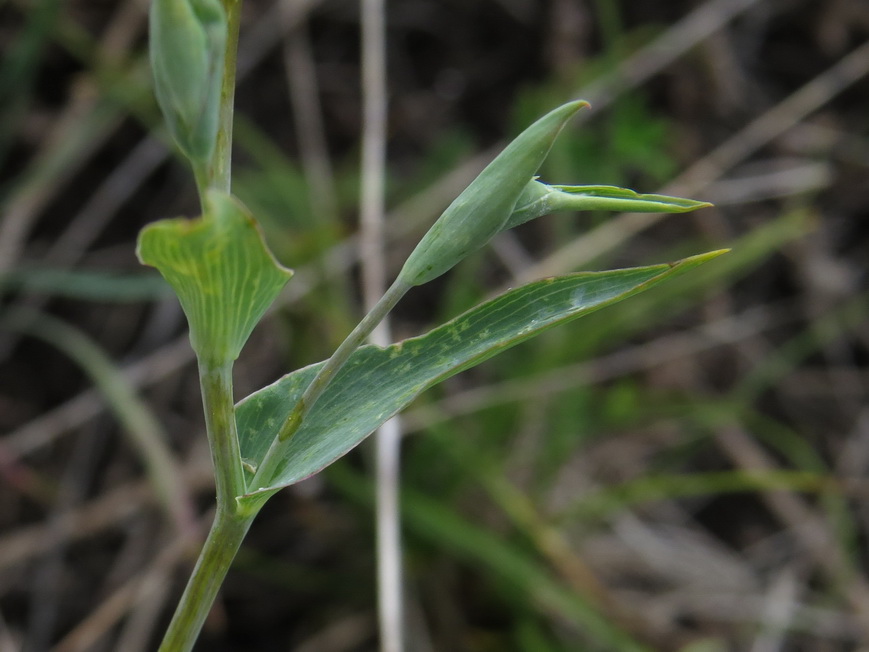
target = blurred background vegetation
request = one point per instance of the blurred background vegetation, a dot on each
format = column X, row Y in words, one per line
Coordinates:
column 686, row 470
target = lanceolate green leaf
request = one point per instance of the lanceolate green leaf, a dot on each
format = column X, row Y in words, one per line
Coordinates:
column 378, row 382
column 221, row 270
column 539, row 199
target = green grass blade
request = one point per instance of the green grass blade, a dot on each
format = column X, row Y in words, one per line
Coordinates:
column 378, row 382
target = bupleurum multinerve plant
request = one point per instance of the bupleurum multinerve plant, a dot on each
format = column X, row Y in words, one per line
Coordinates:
column 226, row 279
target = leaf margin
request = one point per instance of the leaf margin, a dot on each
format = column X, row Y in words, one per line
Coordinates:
column 297, row 380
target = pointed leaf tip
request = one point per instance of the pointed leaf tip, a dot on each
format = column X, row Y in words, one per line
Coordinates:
column 483, row 208
column 378, row 382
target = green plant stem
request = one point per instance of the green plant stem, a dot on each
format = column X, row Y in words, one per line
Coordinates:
column 352, row 342
column 216, row 385
column 321, row 381
column 220, row 169
column 224, row 540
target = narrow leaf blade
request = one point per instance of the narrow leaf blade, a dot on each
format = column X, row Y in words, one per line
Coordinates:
column 481, row 210
column 378, row 382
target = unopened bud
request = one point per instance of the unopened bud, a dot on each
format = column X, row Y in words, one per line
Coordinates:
column 188, row 42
